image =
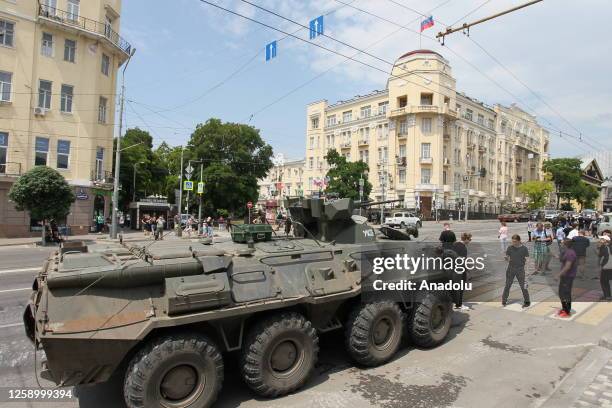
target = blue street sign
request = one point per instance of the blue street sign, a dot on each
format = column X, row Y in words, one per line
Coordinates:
column 271, row 50
column 316, row 27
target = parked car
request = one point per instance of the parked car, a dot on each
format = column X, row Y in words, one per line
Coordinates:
column 508, row 217
column 550, row 215
column 590, row 214
column 605, row 224
column 403, row 219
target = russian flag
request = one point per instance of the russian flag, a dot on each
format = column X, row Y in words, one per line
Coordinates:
column 428, row 22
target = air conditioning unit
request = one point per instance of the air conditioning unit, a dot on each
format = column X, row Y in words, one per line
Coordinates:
column 40, row 111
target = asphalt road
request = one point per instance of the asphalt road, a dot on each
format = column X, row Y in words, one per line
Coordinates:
column 494, row 356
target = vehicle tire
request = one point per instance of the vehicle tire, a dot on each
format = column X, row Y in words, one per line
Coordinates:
column 184, row 370
column 430, row 320
column 374, row 332
column 279, row 354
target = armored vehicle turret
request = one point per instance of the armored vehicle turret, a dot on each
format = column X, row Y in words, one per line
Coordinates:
column 162, row 315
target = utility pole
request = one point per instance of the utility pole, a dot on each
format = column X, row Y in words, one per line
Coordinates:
column 384, row 181
column 115, row 208
column 180, row 203
column 200, row 194
column 466, row 26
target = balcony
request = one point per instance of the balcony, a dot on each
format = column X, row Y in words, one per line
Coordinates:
column 482, row 149
column 363, row 142
column 345, row 145
column 10, row 169
column 398, row 112
column 102, row 177
column 426, row 160
column 402, row 134
column 471, row 146
column 91, row 28
column 425, row 187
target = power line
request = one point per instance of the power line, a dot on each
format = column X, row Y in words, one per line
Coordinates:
column 333, row 51
column 472, row 12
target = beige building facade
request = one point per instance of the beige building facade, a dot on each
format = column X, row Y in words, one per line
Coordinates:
column 427, row 144
column 285, row 179
column 58, row 71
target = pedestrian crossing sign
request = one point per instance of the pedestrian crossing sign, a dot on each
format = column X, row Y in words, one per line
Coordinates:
column 188, row 185
column 200, row 188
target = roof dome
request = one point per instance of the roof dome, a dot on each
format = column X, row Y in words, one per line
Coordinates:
column 420, row 52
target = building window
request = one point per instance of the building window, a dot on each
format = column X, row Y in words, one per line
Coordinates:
column 403, row 127
column 7, row 33
column 426, row 125
column 44, row 94
column 6, row 81
column 366, row 111
column 49, row 7
column 314, row 122
column 402, row 101
column 469, row 114
column 347, row 116
column 426, row 99
column 402, row 176
column 425, row 176
column 331, row 120
column 73, row 9
column 105, row 64
column 311, row 162
column 490, row 124
column 102, row 110
column 3, row 151
column 63, row 154
column 364, row 156
column 99, row 163
column 41, row 151
column 425, row 150
column 47, row 45
column 402, row 150
column 444, row 177
column 70, row 50
column 382, row 108
column 66, row 101
column 480, row 119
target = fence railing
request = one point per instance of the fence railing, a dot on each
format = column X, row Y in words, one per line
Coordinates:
column 105, row 177
column 86, row 24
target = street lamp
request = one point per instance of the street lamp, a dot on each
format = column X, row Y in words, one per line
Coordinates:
column 115, row 208
column 134, row 184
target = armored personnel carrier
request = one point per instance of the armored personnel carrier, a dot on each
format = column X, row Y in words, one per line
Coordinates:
column 163, row 315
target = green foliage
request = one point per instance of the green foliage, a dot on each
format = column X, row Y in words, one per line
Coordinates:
column 344, row 176
column 585, row 194
column 44, row 193
column 565, row 174
column 235, row 157
column 537, row 191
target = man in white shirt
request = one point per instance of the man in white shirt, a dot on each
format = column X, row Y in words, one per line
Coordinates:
column 574, row 232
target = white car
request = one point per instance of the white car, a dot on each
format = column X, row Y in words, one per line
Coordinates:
column 403, row 220
column 605, row 224
column 549, row 215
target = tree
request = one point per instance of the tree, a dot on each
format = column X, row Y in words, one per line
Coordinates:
column 565, row 174
column 537, row 191
column 44, row 193
column 585, row 194
column 344, row 176
column 234, row 158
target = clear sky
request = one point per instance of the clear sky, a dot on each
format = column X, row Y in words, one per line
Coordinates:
column 194, row 62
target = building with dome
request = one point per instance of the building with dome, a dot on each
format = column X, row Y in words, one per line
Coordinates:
column 427, row 144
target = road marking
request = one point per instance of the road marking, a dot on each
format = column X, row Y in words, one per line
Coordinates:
column 6, row 326
column 597, row 314
column 19, row 270
column 14, row 290
column 567, row 346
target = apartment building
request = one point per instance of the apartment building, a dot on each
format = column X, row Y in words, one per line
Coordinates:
column 285, row 179
column 427, row 144
column 58, row 72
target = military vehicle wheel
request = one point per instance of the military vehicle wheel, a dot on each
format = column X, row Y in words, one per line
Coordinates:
column 374, row 332
column 175, row 371
column 279, row 354
column 430, row 320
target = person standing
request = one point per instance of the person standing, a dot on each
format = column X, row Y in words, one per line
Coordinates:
column 540, row 248
column 560, row 236
column 503, row 237
column 160, row 227
column 121, row 221
column 516, row 255
column 580, row 245
column 573, row 232
column 447, row 237
column 566, row 278
column 128, row 220
column 209, row 227
column 460, row 247
column 605, row 265
column 530, row 227
column 153, row 223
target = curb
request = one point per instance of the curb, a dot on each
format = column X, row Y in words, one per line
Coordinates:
column 606, row 342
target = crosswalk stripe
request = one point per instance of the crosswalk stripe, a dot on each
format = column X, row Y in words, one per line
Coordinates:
column 597, row 314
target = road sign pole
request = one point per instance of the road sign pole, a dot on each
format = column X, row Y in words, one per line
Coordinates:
column 180, row 203
column 200, row 208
